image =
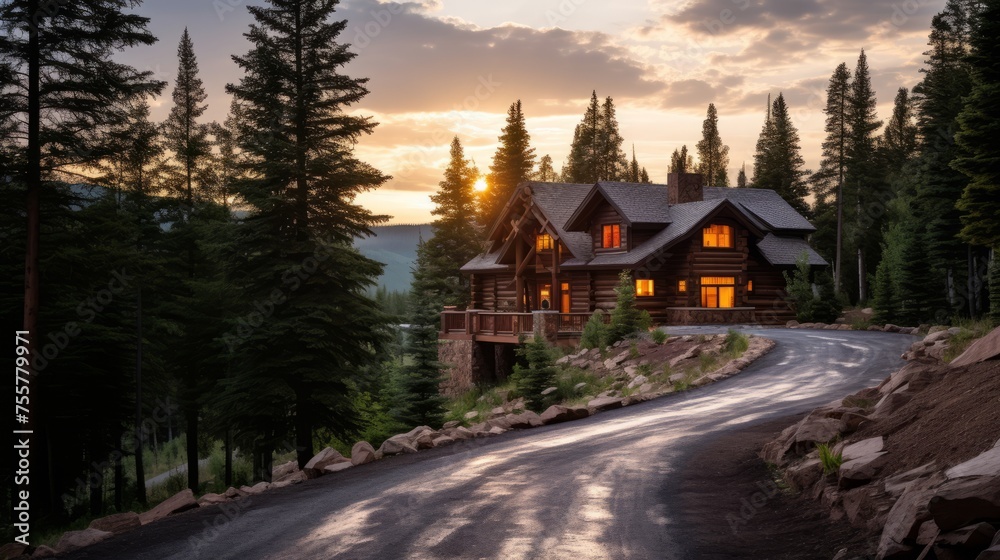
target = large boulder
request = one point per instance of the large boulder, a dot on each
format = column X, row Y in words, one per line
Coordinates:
column 861, row 470
column 986, row 348
column 605, row 403
column 258, row 488
column 117, row 523
column 396, row 445
column 776, row 451
column 891, row 403
column 459, row 433
column 905, row 518
column 12, row 550
column 328, row 456
column 524, row 420
column 964, row 501
column 984, row 464
column 896, row 484
column 362, row 453
column 74, row 540
column 44, row 551
column 211, row 499
column 803, row 475
column 443, row 440
column 969, row 540
column 816, row 429
column 283, row 470
column 337, row 467
column 181, row 501
column 558, row 413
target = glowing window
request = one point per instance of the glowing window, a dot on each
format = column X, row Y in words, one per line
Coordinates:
column 611, row 236
column 749, row 285
column 717, row 235
column 644, row 288
column 543, row 242
column 718, row 291
column 682, row 286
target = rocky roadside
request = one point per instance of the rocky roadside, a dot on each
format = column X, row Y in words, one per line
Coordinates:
column 640, row 371
column 914, row 462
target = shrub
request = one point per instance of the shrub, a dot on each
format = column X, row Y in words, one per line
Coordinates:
column 626, row 319
column 538, row 375
column 810, row 307
column 594, row 332
column 736, row 343
column 659, row 337
column 831, row 463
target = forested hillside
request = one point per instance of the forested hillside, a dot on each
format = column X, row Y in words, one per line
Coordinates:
column 396, row 247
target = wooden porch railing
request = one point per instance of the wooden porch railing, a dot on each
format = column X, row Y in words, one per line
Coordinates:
column 471, row 323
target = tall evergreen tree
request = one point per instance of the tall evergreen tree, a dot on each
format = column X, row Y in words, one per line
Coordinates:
column 420, row 399
column 898, row 143
column 634, row 171
column 225, row 168
column 938, row 186
column 978, row 157
column 62, row 90
column 741, row 178
column 546, row 173
column 512, row 164
column 829, row 180
column 778, row 161
column 456, row 237
column 713, row 155
column 297, row 263
column 681, row 161
column 596, row 153
column 611, row 161
column 185, row 136
column 865, row 185
column 644, row 176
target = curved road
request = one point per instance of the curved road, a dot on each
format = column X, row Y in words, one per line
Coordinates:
column 591, row 489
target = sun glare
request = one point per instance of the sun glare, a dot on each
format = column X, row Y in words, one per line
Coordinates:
column 480, row 184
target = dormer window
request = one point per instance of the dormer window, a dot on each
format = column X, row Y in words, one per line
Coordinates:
column 543, row 242
column 611, row 236
column 718, row 236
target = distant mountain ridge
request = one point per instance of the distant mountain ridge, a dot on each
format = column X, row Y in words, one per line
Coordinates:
column 396, row 247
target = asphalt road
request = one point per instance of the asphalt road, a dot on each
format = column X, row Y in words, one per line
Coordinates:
column 591, row 489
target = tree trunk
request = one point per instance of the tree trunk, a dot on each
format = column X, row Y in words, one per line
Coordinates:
column 140, row 473
column 191, row 415
column 862, row 280
column 303, row 430
column 229, row 458
column 119, row 485
column 840, row 234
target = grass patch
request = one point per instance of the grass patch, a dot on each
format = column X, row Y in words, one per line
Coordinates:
column 859, row 402
column 707, row 362
column 831, row 462
column 482, row 399
column 736, row 343
column 970, row 331
column 659, row 337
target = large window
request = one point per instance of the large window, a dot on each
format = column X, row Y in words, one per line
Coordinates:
column 611, row 236
column 718, row 291
column 717, row 235
column 644, row 288
column 543, row 242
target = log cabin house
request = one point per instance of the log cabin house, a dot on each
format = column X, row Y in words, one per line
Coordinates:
column 698, row 255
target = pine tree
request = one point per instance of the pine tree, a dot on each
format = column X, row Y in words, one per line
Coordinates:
column 829, row 180
column 947, row 80
column 512, row 164
column 611, row 160
column 546, row 173
column 582, row 163
column 184, row 135
column 538, row 375
column 865, row 188
column 456, row 238
column 225, row 167
column 778, row 161
column 421, row 401
column 297, row 262
column 741, row 179
column 634, row 172
column 898, row 143
column 681, row 162
column 977, row 156
column 62, row 90
column 713, row 155
column 644, row 176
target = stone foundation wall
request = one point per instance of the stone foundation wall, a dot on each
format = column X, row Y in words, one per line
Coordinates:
column 709, row 316
column 467, row 363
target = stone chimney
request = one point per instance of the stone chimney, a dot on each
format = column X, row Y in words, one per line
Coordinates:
column 684, row 187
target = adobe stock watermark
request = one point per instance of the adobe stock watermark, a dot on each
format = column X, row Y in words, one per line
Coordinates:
column 563, row 11
column 901, row 14
column 749, row 507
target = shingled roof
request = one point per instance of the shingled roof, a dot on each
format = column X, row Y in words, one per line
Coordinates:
column 646, row 204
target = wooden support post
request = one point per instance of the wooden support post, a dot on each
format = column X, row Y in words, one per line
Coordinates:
column 518, row 277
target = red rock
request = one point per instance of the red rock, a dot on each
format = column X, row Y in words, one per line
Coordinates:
column 117, row 523
column 44, row 552
column 524, row 420
column 891, row 403
column 337, row 467
column 970, row 540
column 181, row 501
column 906, row 516
column 328, row 456
column 210, row 499
column 75, row 540
column 362, row 453
column 986, row 348
column 605, row 403
column 395, row 446
column 963, row 501
column 12, row 550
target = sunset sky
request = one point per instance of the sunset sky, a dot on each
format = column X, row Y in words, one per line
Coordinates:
column 442, row 68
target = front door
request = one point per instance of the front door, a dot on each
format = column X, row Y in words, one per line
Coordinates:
column 566, row 304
